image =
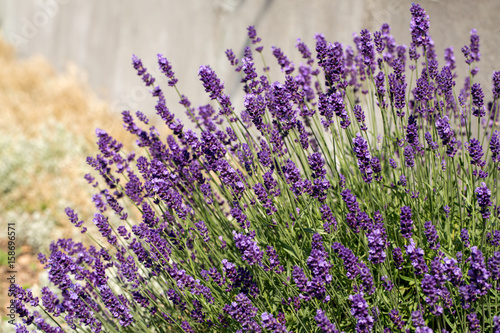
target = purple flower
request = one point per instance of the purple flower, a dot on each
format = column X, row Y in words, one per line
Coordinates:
column 270, row 323
column 319, row 266
column 444, row 129
column 367, row 48
column 202, row 228
column 478, row 273
column 433, row 291
column 280, row 105
column 274, row 262
column 393, row 163
column 388, row 285
column 317, row 163
column 417, row 319
column 447, row 210
column 303, row 136
column 378, row 41
column 366, row 279
column 431, row 235
column 377, row 243
column 494, row 266
column 243, row 311
column 406, row 222
column 496, row 85
column 327, row 216
column 300, row 279
column 240, row 217
column 419, row 25
column 252, row 34
column 396, row 319
column 359, row 309
column 476, row 152
column 360, row 117
column 250, row 251
column 428, row 137
column 330, row 104
column 445, row 82
column 477, row 100
column 397, row 256
column 304, row 51
column 474, row 323
column 364, row 157
column 292, row 176
column 496, row 324
column 495, row 146
column 474, row 45
column 416, row 255
column 409, row 155
column 379, row 83
column 464, row 236
column 285, row 64
column 142, row 71
column 324, row 323
column 231, row 57
column 449, row 57
column 351, row 264
column 350, row 201
column 212, row 85
column 402, row 181
column 166, row 69
column 483, row 195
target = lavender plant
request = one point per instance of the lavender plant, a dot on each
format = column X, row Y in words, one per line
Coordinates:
column 357, row 195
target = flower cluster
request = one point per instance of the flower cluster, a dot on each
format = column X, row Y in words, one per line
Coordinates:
column 266, row 217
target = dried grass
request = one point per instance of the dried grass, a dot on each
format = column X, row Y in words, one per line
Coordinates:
column 47, row 131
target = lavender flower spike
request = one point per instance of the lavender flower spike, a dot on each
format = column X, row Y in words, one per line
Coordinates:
column 419, row 25
column 324, row 323
column 359, row 310
column 364, row 157
column 483, row 195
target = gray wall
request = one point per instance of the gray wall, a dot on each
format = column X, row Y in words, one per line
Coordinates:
column 101, row 36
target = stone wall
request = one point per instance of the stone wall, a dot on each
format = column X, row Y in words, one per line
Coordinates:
column 101, row 36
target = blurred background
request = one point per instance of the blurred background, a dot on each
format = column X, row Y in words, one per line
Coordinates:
column 65, row 69
column 101, row 36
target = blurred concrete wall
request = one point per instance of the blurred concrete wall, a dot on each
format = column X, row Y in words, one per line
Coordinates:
column 101, row 36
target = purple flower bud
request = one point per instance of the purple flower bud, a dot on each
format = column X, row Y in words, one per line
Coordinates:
column 417, row 257
column 409, row 155
column 166, row 69
column 431, row 235
column 250, row 251
column 474, row 323
column 477, row 100
column 327, row 216
column 286, row 65
column 495, row 146
column 364, row 157
column 406, row 222
column 483, row 195
column 464, row 237
column 324, row 323
column 496, row 85
column 377, row 243
column 271, row 324
column 419, row 25
column 359, row 309
column 398, row 259
column 444, row 129
column 202, row 228
column 388, row 285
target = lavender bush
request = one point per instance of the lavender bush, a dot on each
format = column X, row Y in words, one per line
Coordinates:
column 359, row 195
